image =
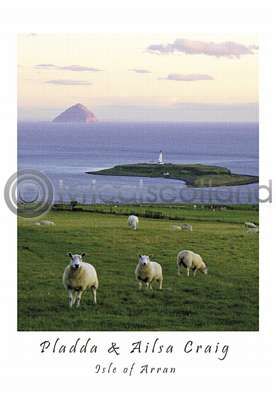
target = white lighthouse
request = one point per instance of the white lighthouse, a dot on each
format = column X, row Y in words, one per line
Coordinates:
column 160, row 158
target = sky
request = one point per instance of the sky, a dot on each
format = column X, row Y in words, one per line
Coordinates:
column 138, row 77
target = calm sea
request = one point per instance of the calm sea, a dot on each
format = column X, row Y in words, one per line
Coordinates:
column 64, row 152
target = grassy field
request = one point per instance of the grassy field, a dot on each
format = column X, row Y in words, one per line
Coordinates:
column 225, row 299
column 195, row 175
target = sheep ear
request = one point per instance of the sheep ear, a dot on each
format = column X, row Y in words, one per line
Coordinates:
column 83, row 254
column 139, row 256
column 69, row 254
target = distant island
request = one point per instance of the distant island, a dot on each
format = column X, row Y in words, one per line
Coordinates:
column 77, row 113
column 194, row 175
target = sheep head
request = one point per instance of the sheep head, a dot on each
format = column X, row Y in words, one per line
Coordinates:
column 76, row 260
column 144, row 260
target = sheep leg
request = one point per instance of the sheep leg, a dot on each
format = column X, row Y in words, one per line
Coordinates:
column 71, row 297
column 79, row 298
column 188, row 271
column 178, row 270
column 140, row 285
column 148, row 285
column 94, row 292
column 195, row 272
column 74, row 296
column 160, row 284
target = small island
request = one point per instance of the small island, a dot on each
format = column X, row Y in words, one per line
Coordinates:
column 194, row 175
column 78, row 113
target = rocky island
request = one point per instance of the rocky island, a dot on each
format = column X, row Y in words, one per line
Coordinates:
column 76, row 114
column 194, row 175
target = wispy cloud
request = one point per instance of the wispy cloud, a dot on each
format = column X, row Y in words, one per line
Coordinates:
column 45, row 66
column 186, row 46
column 140, row 71
column 68, row 82
column 188, row 77
column 74, row 68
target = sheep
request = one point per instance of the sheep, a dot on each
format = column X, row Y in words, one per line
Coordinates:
column 190, row 260
column 148, row 271
column 133, row 222
column 176, row 228
column 48, row 223
column 79, row 276
column 187, row 227
column 250, row 225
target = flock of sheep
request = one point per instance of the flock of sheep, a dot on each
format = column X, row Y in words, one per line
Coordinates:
column 79, row 276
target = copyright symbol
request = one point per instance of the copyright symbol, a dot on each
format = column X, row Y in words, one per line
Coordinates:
column 29, row 193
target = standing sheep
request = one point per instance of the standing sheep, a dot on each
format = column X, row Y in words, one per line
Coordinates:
column 148, row 271
column 79, row 276
column 133, row 222
column 190, row 260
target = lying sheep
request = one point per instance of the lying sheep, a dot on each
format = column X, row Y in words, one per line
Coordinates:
column 188, row 259
column 187, row 227
column 45, row 223
column 79, row 276
column 133, row 222
column 250, row 225
column 148, row 271
column 176, row 228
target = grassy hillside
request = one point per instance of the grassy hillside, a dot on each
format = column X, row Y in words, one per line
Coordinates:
column 196, row 175
column 225, row 299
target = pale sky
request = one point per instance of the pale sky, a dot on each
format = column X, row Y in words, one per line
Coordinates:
column 164, row 77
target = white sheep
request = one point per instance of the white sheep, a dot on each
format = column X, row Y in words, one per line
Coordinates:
column 79, row 276
column 250, row 225
column 46, row 223
column 187, row 227
column 148, row 271
column 176, row 228
column 190, row 260
column 133, row 222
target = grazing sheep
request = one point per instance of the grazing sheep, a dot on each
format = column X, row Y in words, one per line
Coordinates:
column 79, row 276
column 133, row 222
column 190, row 260
column 148, row 271
column 250, row 225
column 187, row 227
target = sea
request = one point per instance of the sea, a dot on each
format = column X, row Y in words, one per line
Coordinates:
column 65, row 152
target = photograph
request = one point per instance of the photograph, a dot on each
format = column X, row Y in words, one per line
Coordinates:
column 137, row 184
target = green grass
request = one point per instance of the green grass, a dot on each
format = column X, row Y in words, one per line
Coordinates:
column 225, row 299
column 196, row 175
column 185, row 212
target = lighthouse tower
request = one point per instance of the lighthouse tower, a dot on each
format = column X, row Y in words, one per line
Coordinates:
column 160, row 158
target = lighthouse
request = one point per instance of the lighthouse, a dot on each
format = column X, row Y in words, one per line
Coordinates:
column 160, row 158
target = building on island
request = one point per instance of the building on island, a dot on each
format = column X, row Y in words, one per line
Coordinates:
column 161, row 158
